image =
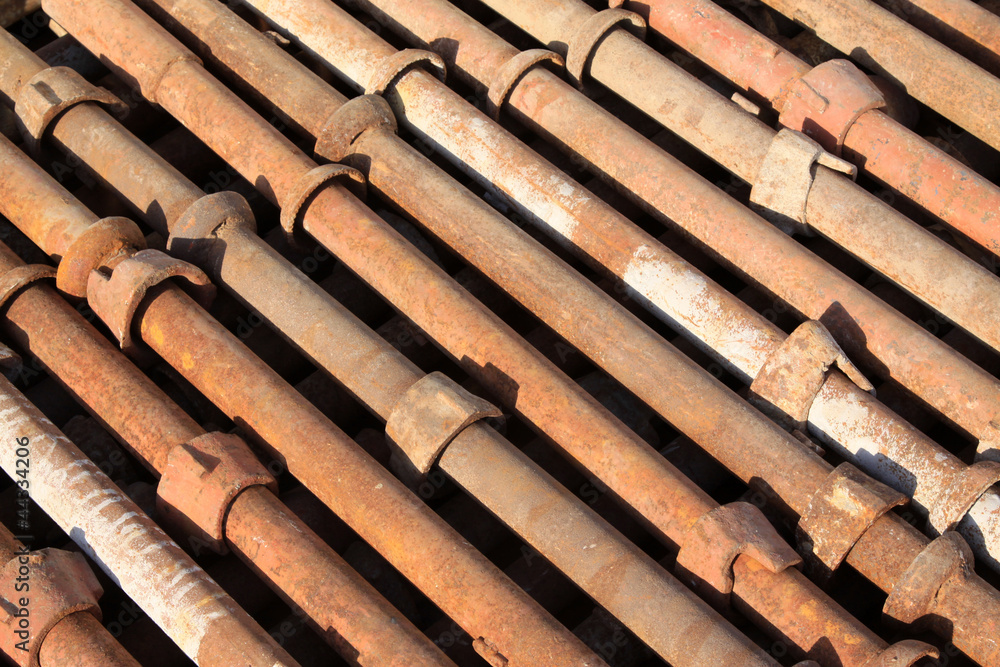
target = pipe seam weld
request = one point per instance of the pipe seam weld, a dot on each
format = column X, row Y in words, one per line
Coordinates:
column 202, row 479
column 345, row 126
column 62, row 583
column 508, row 74
column 91, row 250
column 785, row 179
column 840, row 512
column 794, row 374
column 827, row 100
column 580, row 45
column 52, row 91
column 116, row 298
column 712, row 545
column 915, row 594
column 392, row 67
column 432, row 412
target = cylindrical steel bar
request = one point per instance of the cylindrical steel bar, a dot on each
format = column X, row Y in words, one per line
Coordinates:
column 836, row 206
column 871, row 332
column 327, row 236
column 156, row 573
column 251, row 507
column 844, row 415
column 961, row 25
column 79, row 637
column 596, row 534
column 937, row 76
column 879, row 145
column 292, row 558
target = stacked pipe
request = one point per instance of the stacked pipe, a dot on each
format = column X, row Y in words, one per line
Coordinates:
column 804, row 381
column 449, row 464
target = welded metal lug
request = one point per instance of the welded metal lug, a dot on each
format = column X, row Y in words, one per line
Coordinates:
column 46, row 586
column 348, row 122
column 116, row 298
column 785, row 178
column 201, row 480
column 581, row 44
column 429, row 416
column 19, row 277
column 915, row 595
column 788, row 383
column 842, row 510
column 310, row 183
column 705, row 561
column 392, row 67
column 824, row 103
column 51, row 92
column 512, row 70
column 103, row 240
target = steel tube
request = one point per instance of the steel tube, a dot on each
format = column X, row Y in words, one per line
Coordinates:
column 872, row 333
column 842, row 415
column 177, row 594
column 739, row 141
column 141, row 416
column 297, row 582
column 79, row 638
column 937, row 76
column 325, row 236
column 961, row 25
column 879, row 145
column 597, row 534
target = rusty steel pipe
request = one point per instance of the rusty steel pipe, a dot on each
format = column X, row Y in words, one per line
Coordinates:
column 879, row 145
column 930, row 72
column 870, row 331
column 156, row 573
column 294, row 561
column 869, row 560
column 842, row 414
column 78, row 638
column 457, row 560
column 835, row 207
column 961, row 25
column 592, row 534
column 583, row 527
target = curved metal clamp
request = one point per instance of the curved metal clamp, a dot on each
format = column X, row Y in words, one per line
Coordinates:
column 844, row 507
column 826, row 101
column 53, row 91
column 90, row 251
column 191, row 235
column 202, row 479
column 718, row 538
column 16, row 279
column 429, row 416
column 391, row 67
column 580, row 45
column 511, row 72
column 785, row 177
column 61, row 584
column 958, row 497
column 915, row 593
column 116, row 298
column 793, row 375
column 311, row 182
column 349, row 122
column 903, row 654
